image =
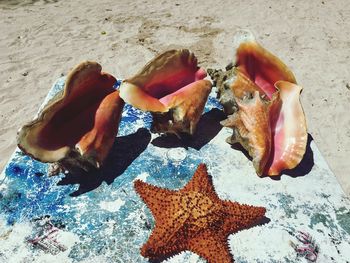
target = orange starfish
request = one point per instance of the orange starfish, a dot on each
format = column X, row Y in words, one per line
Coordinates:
column 194, row 218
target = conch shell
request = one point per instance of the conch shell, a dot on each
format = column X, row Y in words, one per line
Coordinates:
column 273, row 132
column 77, row 128
column 172, row 88
column 251, row 128
column 289, row 130
column 261, row 97
column 259, row 65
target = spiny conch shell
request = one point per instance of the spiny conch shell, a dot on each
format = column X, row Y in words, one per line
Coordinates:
column 273, row 132
column 231, row 85
column 172, row 88
column 253, row 69
column 77, row 128
column 251, row 128
column 259, row 94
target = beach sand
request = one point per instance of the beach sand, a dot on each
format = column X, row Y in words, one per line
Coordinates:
column 42, row 40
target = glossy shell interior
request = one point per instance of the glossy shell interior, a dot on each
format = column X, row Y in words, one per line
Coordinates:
column 172, row 87
column 83, row 118
column 261, row 97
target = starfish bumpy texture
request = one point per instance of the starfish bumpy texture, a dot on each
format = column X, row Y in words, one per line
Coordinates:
column 195, row 219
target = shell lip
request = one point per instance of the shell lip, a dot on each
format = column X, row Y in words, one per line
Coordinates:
column 294, row 152
column 184, row 109
column 261, row 66
column 163, row 76
column 136, row 96
column 32, row 155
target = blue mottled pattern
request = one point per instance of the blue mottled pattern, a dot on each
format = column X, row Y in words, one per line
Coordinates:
column 30, row 194
column 116, row 234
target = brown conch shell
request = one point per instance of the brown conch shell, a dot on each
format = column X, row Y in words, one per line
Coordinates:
column 172, row 88
column 259, row 94
column 273, row 132
column 251, row 128
column 231, row 85
column 77, row 127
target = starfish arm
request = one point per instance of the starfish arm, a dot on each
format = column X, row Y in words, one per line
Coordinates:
column 241, row 216
column 166, row 240
column 157, row 199
column 195, row 219
column 211, row 246
column 201, row 182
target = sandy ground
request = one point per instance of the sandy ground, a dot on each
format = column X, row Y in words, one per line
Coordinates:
column 42, row 40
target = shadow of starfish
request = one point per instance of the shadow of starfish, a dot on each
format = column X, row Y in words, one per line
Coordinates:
column 124, row 151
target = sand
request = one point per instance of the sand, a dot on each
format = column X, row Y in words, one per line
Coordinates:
column 42, row 40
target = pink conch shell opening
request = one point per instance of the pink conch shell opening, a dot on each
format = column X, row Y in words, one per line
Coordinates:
column 260, row 65
column 273, row 132
column 260, row 95
column 83, row 119
column 170, row 83
column 289, row 130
